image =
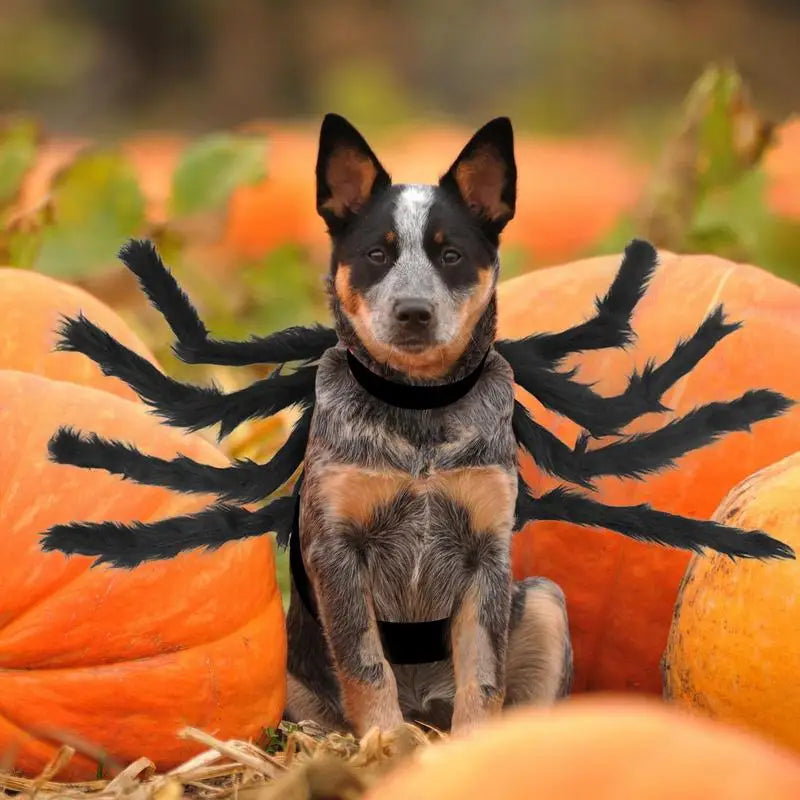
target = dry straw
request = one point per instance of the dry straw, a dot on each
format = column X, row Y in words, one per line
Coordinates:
column 312, row 765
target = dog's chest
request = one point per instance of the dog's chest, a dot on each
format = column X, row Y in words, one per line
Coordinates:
column 419, row 495
column 419, row 537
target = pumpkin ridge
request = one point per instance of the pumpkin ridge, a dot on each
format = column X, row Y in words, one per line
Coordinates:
column 43, row 598
column 604, row 615
column 166, row 652
column 12, row 479
column 78, row 758
column 266, row 698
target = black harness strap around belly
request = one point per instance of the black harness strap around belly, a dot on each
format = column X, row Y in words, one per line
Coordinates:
column 403, row 642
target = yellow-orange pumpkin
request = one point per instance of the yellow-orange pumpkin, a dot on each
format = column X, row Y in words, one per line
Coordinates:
column 621, row 593
column 598, row 749
column 31, row 307
column 121, row 659
column 734, row 646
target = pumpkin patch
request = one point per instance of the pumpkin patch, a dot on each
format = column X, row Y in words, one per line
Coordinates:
column 732, row 652
column 621, row 593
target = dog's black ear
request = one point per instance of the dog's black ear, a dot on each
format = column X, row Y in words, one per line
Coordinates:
column 348, row 173
column 484, row 176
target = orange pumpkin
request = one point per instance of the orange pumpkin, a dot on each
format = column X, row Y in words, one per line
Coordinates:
column 621, row 593
column 598, row 749
column 281, row 209
column 31, row 305
column 121, row 660
column 733, row 650
column 782, row 165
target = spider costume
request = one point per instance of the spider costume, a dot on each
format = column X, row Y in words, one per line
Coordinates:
column 535, row 363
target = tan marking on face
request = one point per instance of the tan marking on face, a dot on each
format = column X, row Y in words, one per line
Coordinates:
column 480, row 179
column 391, row 237
column 353, row 493
column 487, row 493
column 350, row 299
column 350, row 176
column 433, row 362
column 438, row 237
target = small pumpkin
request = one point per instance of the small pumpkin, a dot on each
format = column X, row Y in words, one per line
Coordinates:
column 598, row 749
column 734, row 648
column 31, row 307
column 621, row 593
column 121, row 660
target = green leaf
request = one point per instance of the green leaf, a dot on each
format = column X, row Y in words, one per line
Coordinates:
column 212, row 168
column 17, row 152
column 97, row 205
column 284, row 288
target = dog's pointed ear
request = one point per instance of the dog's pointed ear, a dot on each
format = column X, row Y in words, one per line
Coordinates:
column 484, row 176
column 348, row 173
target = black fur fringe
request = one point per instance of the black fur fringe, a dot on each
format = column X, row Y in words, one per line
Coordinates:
column 193, row 345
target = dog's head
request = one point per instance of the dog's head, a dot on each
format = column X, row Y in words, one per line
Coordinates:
column 414, row 267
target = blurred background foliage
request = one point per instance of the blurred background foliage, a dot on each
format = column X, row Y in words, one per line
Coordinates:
column 194, row 122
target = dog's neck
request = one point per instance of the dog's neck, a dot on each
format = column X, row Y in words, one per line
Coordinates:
column 483, row 335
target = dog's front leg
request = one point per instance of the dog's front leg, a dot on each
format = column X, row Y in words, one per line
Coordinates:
column 366, row 680
column 480, row 637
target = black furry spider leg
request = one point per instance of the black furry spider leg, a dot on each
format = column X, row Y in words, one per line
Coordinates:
column 128, row 545
column 648, row 525
column 546, row 449
column 642, row 453
column 181, row 404
column 604, row 416
column 193, row 345
column 611, row 324
column 243, row 481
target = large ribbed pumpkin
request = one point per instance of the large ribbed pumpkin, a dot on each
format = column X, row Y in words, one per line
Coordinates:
column 121, row 660
column 31, row 308
column 621, row 593
column 734, row 646
column 598, row 749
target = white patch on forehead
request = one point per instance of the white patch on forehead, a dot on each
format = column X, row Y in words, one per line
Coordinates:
column 411, row 215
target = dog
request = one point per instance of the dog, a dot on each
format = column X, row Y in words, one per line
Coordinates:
column 406, row 513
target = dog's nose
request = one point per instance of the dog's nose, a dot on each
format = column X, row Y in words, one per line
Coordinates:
column 414, row 312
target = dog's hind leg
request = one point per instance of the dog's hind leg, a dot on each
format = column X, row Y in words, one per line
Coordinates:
column 539, row 666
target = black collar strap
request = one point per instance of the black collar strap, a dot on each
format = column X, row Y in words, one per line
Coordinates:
column 403, row 642
column 404, row 395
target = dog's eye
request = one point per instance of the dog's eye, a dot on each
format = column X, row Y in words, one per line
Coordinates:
column 450, row 256
column 377, row 256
